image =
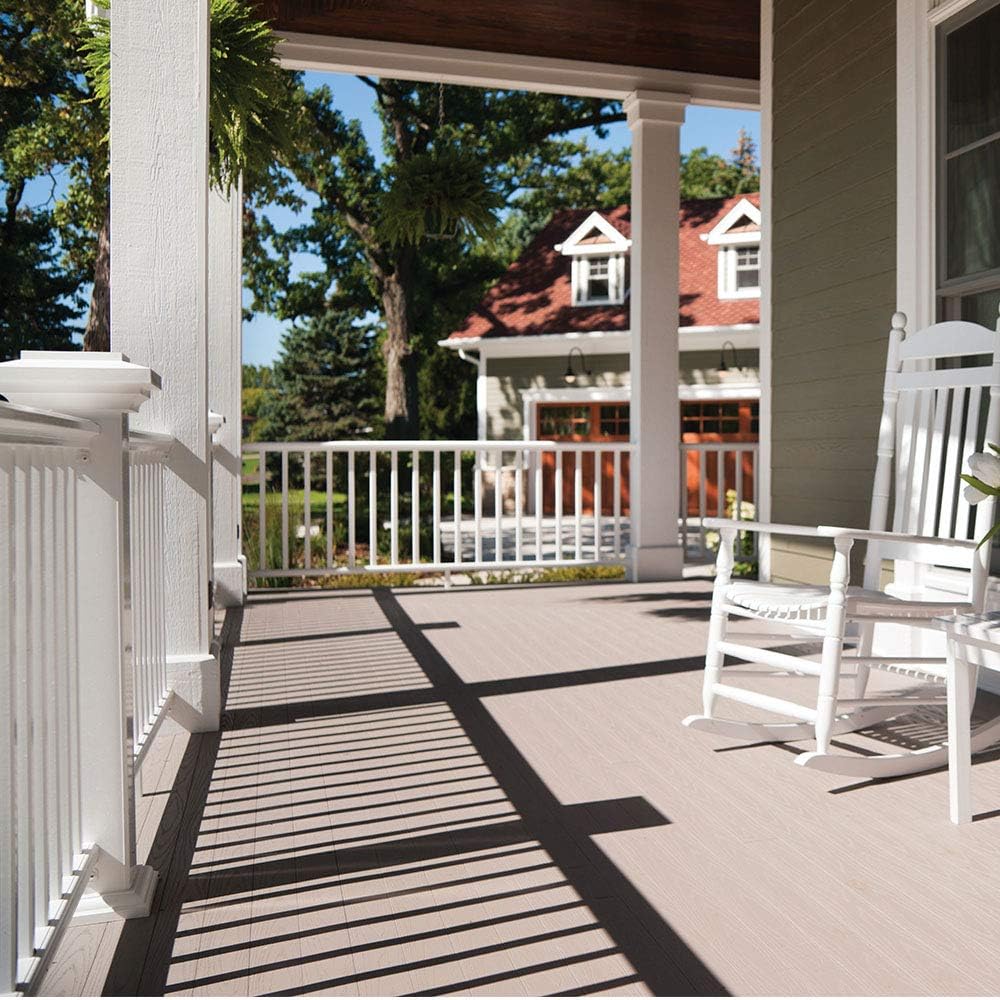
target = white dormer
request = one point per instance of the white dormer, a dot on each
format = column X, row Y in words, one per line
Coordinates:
column 597, row 261
column 737, row 234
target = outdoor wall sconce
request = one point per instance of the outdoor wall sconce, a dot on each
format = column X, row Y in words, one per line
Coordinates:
column 723, row 367
column 571, row 376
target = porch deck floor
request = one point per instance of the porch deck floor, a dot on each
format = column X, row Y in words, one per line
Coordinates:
column 489, row 791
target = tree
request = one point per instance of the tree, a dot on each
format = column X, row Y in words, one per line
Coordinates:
column 39, row 304
column 324, row 382
column 515, row 136
column 47, row 125
column 708, row 175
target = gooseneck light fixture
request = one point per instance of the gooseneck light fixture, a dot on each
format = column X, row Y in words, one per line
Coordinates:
column 723, row 367
column 571, row 376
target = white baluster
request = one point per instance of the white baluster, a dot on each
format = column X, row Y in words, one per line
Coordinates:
column 539, row 507
column 518, row 504
column 457, row 507
column 415, row 507
column 352, row 509
column 394, row 507
column 436, row 502
column 477, row 504
column 329, row 509
column 498, row 507
column 617, row 502
column 578, row 505
column 372, row 508
column 307, row 509
column 598, row 484
column 284, row 511
column 559, row 504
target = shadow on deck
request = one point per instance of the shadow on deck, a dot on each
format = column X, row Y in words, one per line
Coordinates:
column 487, row 791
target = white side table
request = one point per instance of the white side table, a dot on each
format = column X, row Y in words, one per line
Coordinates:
column 973, row 645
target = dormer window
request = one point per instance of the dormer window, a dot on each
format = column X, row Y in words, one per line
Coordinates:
column 747, row 268
column 738, row 237
column 597, row 252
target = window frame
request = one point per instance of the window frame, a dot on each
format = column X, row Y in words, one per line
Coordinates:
column 581, row 279
column 950, row 292
column 729, row 268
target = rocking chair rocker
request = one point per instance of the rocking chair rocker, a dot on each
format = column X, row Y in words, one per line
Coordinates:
column 937, row 411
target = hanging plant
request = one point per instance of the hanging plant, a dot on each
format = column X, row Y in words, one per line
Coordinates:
column 249, row 109
column 442, row 193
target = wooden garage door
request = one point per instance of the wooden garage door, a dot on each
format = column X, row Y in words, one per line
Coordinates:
column 714, row 421
column 583, row 422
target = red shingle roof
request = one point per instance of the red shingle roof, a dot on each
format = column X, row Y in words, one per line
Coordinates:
column 534, row 296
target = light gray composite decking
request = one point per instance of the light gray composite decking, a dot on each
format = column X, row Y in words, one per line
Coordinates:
column 489, row 791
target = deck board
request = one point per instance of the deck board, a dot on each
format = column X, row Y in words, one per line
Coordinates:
column 487, row 791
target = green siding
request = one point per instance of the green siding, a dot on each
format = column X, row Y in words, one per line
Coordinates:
column 833, row 262
column 508, row 378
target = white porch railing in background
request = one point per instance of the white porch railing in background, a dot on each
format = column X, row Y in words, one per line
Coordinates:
column 83, row 664
column 44, row 861
column 435, row 506
column 151, row 692
column 717, row 480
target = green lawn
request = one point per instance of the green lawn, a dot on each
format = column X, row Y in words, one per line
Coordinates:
column 296, row 500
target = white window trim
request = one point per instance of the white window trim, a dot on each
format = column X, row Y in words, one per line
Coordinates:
column 727, row 276
column 719, row 234
column 617, row 243
column 916, row 156
column 616, row 280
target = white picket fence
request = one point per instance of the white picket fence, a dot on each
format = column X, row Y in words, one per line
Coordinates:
column 721, row 468
column 436, row 506
column 81, row 584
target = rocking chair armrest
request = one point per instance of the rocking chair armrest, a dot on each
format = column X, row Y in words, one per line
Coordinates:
column 762, row 527
column 863, row 534
column 833, row 531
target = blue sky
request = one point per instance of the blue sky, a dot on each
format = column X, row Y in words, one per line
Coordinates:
column 715, row 128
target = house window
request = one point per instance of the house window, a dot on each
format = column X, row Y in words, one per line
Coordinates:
column 713, row 418
column 968, row 167
column 748, row 268
column 739, row 272
column 598, row 280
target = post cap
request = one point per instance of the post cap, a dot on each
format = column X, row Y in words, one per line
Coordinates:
column 81, row 383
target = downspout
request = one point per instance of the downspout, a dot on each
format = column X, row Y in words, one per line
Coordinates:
column 478, row 359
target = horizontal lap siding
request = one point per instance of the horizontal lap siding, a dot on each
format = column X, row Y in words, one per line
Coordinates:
column 508, row 378
column 833, row 263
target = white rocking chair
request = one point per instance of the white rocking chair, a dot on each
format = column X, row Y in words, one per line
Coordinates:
column 935, row 415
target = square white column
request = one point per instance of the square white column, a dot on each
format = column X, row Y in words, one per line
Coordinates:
column 655, row 120
column 225, row 392
column 159, row 235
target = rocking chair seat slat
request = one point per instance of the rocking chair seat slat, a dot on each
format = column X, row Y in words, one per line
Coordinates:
column 789, row 602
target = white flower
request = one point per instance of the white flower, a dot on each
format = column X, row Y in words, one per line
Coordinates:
column 972, row 495
column 313, row 531
column 987, row 468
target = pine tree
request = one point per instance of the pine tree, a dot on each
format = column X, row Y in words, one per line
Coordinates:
column 325, row 383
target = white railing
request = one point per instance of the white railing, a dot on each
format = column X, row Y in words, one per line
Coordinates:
column 83, row 678
column 151, row 692
column 44, row 860
column 434, row 506
column 717, row 480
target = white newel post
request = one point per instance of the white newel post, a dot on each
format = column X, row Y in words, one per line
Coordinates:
column 104, row 388
column 654, row 479
column 159, row 236
column 225, row 389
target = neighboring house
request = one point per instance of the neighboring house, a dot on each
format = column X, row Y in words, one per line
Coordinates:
column 551, row 338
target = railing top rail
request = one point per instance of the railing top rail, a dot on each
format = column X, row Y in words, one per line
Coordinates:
column 150, row 442
column 719, row 445
column 466, row 446
column 29, row 425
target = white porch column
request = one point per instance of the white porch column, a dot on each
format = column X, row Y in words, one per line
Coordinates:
column 225, row 392
column 159, row 208
column 654, row 477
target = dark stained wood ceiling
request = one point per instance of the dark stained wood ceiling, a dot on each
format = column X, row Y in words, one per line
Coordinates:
column 719, row 37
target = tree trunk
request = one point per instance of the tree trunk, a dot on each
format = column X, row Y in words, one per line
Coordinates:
column 401, row 415
column 97, row 335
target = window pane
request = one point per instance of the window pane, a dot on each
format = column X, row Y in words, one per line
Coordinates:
column 598, row 266
column 748, row 278
column 973, row 80
column 974, row 211
column 981, row 308
column 747, row 256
